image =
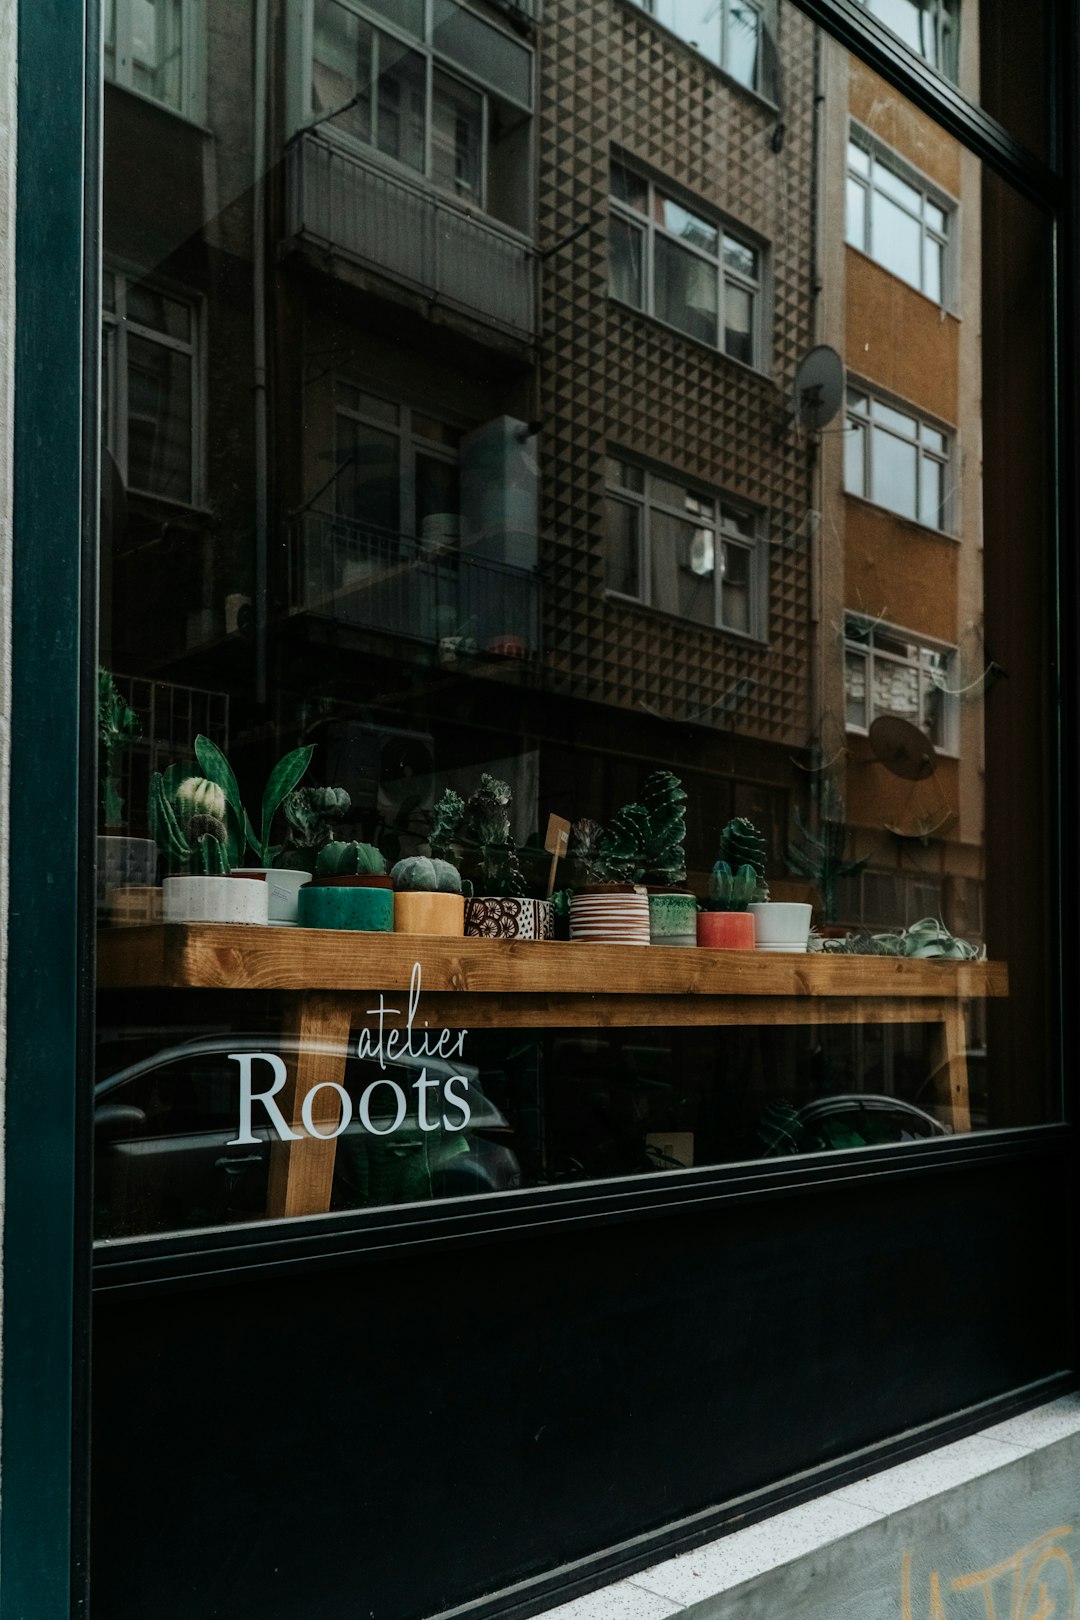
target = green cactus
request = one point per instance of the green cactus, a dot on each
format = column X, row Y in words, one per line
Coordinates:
column 283, row 778
column 664, row 801
column 118, row 728
column 820, row 858
column 311, row 814
column 489, row 857
column 584, row 852
column 190, row 836
column 445, row 818
column 731, row 891
column 349, row 860
column 742, row 845
column 419, row 874
column 623, row 846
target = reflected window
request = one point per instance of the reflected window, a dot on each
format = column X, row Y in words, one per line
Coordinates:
column 678, row 549
column 898, row 461
column 689, row 271
column 152, row 46
column 931, row 28
column 398, row 477
column 730, row 33
column 897, row 220
column 149, row 388
column 889, row 671
column 445, row 94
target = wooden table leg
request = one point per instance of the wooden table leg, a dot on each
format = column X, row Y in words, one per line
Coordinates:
column 302, row 1173
column 949, row 1072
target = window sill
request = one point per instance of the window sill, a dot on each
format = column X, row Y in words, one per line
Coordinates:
column 755, row 97
column 947, row 535
column 688, row 337
column 188, row 119
column 742, row 637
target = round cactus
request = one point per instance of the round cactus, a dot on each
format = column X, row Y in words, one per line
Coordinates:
column 420, row 875
column 197, row 796
column 338, row 859
column 731, row 891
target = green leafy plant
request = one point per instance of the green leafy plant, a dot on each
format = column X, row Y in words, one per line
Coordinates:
column 420, row 874
column 489, row 857
column 584, row 853
column 283, row 779
column 820, row 856
column 742, row 845
column 624, row 844
column 311, row 814
column 337, row 859
column 187, row 821
column 118, row 728
column 664, row 803
column 731, row 891
column 445, row 819
column 928, row 939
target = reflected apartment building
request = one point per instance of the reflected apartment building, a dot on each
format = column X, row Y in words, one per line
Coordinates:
column 461, row 436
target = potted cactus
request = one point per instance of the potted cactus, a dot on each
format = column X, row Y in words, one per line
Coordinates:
column 779, row 925
column 187, row 816
column 427, row 897
column 672, row 907
column 609, row 906
column 241, row 834
column 497, row 906
column 122, row 862
column 725, row 923
column 311, row 814
column 350, row 889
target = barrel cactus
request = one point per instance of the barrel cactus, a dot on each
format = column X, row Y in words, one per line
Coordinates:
column 421, row 874
column 337, row 859
column 742, row 845
column 187, row 819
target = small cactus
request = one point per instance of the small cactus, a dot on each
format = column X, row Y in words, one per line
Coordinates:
column 419, row 874
column 336, row 859
column 731, row 891
column 742, row 845
column 187, row 820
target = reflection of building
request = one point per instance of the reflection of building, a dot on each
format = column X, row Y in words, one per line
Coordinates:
column 902, row 627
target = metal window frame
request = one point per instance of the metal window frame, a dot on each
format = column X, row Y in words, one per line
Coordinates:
column 409, row 445
column 724, row 63
column 880, row 155
column 950, row 743
column 869, row 425
column 192, row 60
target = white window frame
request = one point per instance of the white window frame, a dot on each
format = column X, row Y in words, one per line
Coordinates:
column 874, row 420
column 650, row 229
column 411, row 442
column 726, row 9
column 880, row 157
column 859, row 642
column 304, row 113
column 943, row 52
column 120, row 59
column 644, row 503
column 116, row 327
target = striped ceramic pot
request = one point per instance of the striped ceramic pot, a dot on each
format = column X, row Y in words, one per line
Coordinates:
column 491, row 916
column 610, row 915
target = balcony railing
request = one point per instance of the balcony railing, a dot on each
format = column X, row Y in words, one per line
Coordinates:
column 437, row 594
column 412, row 234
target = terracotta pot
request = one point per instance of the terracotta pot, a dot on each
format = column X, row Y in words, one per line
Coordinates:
column 353, row 880
column 725, row 930
column 358, row 908
column 672, row 917
column 509, row 917
column 429, row 912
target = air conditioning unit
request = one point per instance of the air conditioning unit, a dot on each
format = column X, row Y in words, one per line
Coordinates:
column 385, row 770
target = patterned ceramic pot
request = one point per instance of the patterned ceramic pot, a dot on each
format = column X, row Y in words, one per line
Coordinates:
column 508, row 917
column 726, row 930
column 213, row 899
column 610, row 916
column 673, row 919
column 359, row 909
column 429, row 912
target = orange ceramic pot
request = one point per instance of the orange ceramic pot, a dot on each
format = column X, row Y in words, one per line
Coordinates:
column 726, row 930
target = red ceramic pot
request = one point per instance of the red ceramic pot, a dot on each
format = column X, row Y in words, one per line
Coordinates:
column 726, row 930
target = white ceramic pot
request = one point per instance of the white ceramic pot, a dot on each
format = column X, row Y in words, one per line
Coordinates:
column 213, row 899
column 282, row 890
column 781, row 925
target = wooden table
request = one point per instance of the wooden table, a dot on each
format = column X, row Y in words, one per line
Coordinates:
column 331, row 982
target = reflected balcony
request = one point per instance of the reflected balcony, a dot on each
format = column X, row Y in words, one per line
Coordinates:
column 437, row 594
column 357, row 210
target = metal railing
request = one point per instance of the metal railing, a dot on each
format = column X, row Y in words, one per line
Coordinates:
column 411, row 233
column 422, row 591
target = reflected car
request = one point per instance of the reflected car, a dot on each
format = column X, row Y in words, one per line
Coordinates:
column 166, row 1158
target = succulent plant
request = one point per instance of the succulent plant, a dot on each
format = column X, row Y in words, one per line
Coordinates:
column 337, row 859
column 926, row 939
column 118, row 728
column 311, row 814
column 282, row 780
column 731, row 891
column 447, row 814
column 584, row 851
column 187, row 821
column 489, row 857
column 742, row 845
column 820, row 858
column 623, row 846
column 419, row 874
column 664, row 802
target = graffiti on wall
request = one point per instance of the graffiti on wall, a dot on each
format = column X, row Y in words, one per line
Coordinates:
column 1037, row 1583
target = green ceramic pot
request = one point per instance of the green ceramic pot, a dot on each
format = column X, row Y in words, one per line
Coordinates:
column 672, row 919
column 334, row 906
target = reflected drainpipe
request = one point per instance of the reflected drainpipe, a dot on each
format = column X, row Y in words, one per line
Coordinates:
column 259, row 400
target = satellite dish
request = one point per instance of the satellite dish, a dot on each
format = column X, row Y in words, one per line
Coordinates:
column 818, row 387
column 902, row 748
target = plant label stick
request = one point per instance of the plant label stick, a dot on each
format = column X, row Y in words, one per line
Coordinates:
column 556, row 843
